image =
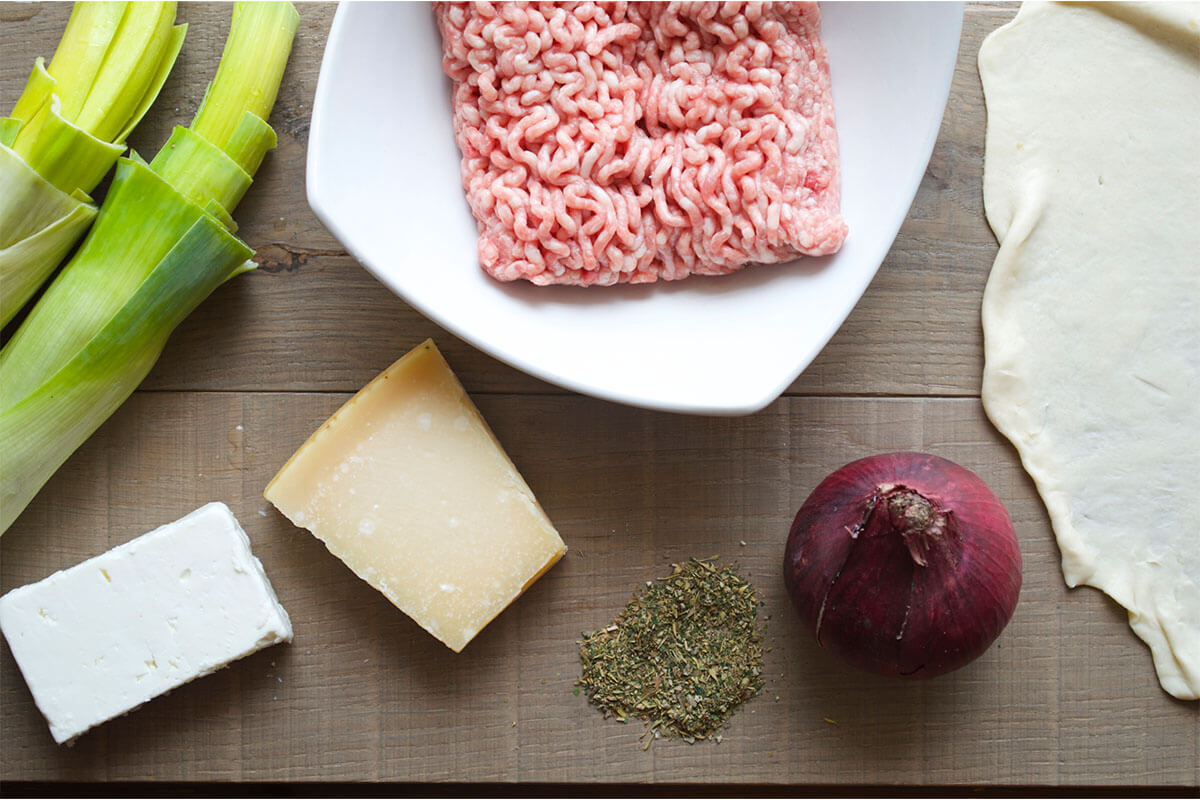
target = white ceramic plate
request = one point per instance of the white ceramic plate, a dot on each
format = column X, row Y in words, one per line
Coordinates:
column 383, row 176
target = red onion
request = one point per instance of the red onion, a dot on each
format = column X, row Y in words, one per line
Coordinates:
column 904, row 564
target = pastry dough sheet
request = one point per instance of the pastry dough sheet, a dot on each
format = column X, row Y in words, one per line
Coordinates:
column 1091, row 313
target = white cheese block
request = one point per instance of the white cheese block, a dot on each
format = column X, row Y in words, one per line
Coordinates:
column 99, row 639
column 407, row 485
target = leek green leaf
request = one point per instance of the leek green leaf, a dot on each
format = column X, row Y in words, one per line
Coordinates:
column 41, row 430
column 65, row 155
column 69, row 127
column 8, row 130
column 42, row 223
column 139, row 223
column 161, row 243
column 81, row 52
column 260, row 38
column 131, row 65
column 38, row 88
column 251, row 140
column 170, row 53
column 201, row 170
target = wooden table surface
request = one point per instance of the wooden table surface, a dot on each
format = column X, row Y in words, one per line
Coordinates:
column 1066, row 696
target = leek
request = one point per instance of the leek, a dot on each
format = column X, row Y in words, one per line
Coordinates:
column 67, row 130
column 163, row 241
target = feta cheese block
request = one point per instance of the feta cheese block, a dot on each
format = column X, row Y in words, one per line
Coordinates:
column 406, row 484
column 99, row 639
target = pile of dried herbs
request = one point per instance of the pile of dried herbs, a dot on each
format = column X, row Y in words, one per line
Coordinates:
column 683, row 655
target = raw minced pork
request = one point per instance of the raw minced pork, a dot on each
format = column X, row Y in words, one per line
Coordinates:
column 606, row 143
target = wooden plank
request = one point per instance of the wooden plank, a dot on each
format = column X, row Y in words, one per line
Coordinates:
column 1066, row 695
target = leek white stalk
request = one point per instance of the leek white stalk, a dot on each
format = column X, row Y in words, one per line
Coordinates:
column 69, row 127
column 162, row 243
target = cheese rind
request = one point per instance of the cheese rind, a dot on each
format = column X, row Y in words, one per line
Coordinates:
column 408, row 486
column 99, row 639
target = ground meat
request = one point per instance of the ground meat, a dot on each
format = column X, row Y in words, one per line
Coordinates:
column 606, row 143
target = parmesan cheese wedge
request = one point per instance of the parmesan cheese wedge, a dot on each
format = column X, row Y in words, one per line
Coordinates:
column 408, row 486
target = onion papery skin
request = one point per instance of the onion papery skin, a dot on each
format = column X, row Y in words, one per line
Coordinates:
column 856, row 580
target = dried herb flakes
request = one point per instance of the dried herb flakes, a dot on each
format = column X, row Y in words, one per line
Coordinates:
column 683, row 655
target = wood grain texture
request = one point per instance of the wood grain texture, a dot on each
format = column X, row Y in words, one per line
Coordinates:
column 1066, row 696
